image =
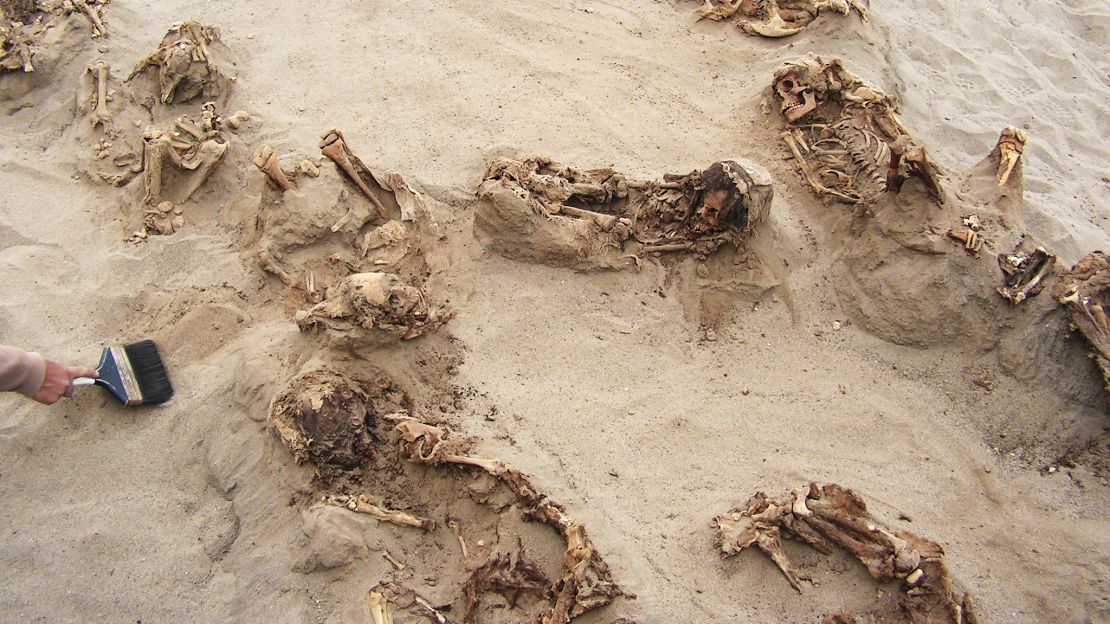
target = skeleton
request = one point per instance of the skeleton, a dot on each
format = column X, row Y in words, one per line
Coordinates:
column 586, row 583
column 1085, row 291
column 543, row 211
column 185, row 64
column 194, row 145
column 845, row 136
column 826, row 515
column 372, row 303
column 775, row 18
column 1025, row 274
column 321, row 231
column 17, row 44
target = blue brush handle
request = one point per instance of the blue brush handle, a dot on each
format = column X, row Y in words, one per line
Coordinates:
column 109, row 377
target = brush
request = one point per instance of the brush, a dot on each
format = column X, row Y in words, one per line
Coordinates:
column 133, row 373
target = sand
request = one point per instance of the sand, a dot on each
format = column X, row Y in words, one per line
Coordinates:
column 647, row 402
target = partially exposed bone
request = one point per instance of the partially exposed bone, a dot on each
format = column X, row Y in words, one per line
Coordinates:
column 186, row 68
column 18, row 42
column 334, row 146
column 363, row 505
column 775, row 18
column 199, row 156
column 1085, row 290
column 99, row 115
column 1025, row 274
column 237, row 119
column 845, row 135
column 395, row 594
column 368, row 303
column 454, row 526
column 380, row 608
column 397, row 565
column 586, row 583
column 838, row 516
column 972, row 240
column 267, row 161
column 308, row 168
column 91, row 9
column 521, row 202
column 1011, row 145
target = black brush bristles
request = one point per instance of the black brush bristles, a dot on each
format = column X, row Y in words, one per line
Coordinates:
column 149, row 372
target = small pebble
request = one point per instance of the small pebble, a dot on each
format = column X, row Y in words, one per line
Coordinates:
column 481, row 543
column 103, row 49
column 836, row 325
column 250, row 35
column 1052, row 470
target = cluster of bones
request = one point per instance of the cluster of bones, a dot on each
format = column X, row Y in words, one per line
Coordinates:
column 845, row 136
column 360, row 305
column 541, row 207
column 824, row 516
column 775, row 18
column 334, row 421
column 24, row 23
column 1085, row 291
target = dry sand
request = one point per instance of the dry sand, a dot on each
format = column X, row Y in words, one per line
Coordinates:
column 602, row 385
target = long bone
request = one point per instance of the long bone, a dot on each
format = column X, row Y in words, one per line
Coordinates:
column 334, row 146
column 266, row 160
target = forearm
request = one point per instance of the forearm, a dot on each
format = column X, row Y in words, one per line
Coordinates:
column 21, row 371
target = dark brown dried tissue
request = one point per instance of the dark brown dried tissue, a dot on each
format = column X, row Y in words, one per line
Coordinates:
column 830, row 515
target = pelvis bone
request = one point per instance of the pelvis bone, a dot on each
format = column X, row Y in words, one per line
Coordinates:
column 539, row 210
column 845, row 136
column 775, row 18
column 830, row 515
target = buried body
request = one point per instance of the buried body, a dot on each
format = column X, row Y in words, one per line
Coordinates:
column 493, row 560
column 542, row 211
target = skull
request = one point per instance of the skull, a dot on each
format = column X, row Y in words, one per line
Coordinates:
column 798, row 98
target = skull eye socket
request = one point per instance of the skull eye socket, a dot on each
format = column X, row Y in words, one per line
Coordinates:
column 788, row 84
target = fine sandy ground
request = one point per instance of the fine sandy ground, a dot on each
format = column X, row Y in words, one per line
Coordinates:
column 647, row 402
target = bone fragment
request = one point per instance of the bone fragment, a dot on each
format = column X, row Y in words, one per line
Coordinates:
column 362, row 505
column 605, row 221
column 237, row 119
column 454, row 526
column 1011, row 145
column 100, row 115
column 90, row 11
column 266, row 160
column 393, row 561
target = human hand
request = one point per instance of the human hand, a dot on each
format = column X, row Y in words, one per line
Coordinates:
column 59, row 381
